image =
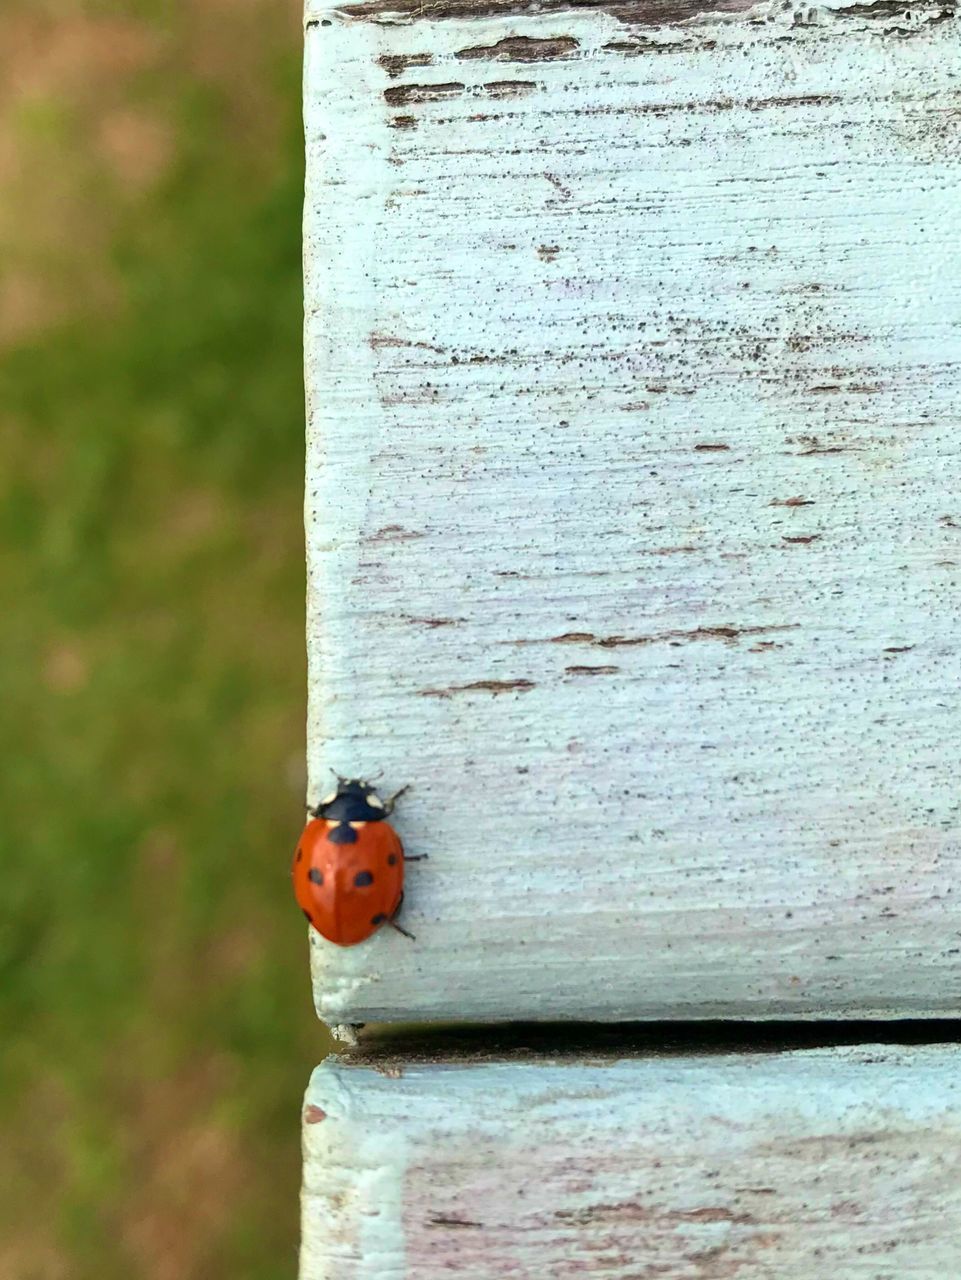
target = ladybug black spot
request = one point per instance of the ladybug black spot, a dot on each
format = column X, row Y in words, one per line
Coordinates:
column 362, row 879
column 309, row 918
column 343, row 833
column 379, row 918
column 315, row 876
column 392, row 859
column 300, row 854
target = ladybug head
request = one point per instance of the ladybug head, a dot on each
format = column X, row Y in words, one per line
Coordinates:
column 354, row 801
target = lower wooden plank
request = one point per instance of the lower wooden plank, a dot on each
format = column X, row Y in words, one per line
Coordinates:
column 831, row 1162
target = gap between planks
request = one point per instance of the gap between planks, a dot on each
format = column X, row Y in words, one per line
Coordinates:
column 389, row 1049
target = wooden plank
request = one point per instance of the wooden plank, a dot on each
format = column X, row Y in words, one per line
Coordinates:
column 842, row 1163
column 633, row 371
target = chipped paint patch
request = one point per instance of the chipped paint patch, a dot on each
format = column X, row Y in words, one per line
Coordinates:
column 405, row 95
column 724, row 633
column 521, row 49
column 396, row 64
column 509, row 88
column 480, row 686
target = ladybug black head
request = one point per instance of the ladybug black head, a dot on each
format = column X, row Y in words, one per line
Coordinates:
column 353, row 801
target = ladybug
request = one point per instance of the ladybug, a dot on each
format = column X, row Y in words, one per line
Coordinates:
column 349, row 865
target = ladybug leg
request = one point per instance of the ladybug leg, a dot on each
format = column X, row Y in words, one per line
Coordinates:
column 392, row 800
column 415, row 857
column 394, row 925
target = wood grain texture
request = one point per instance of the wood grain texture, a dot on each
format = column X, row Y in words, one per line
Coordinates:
column 842, row 1163
column 634, row 532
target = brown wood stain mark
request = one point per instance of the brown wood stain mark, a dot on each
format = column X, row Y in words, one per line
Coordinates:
column 575, row 637
column 441, row 1220
column 480, row 686
column 635, row 48
column 378, row 340
column 634, row 1211
column 716, row 105
column 522, row 49
column 644, row 13
column 395, row 64
column 801, row 538
column 884, row 10
column 403, row 122
column 791, row 502
column 509, row 88
column 393, row 533
column 712, row 1213
column 640, row 13
column 432, row 623
column 712, row 448
column 591, row 671
column 405, row 95
column 793, row 100
column 314, row 1115
column 727, row 634
column 858, row 388
column 548, row 252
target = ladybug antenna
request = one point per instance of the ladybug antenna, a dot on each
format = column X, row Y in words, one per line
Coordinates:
column 376, row 777
column 339, row 776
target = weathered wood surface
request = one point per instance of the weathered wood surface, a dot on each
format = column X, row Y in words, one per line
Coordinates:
column 834, row 1163
column 633, row 362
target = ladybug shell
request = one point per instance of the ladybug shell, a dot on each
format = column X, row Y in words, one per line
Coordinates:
column 347, row 891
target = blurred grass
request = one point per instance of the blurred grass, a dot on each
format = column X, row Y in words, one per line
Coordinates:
column 157, row 1030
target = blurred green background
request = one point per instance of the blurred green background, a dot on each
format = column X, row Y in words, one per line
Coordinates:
column 157, row 1032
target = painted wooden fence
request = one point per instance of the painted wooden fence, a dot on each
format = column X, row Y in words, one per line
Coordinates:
column 633, row 341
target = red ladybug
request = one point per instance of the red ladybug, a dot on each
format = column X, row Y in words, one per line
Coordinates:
column 349, row 865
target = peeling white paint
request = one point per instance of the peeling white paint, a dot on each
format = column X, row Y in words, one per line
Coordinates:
column 658, row 352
